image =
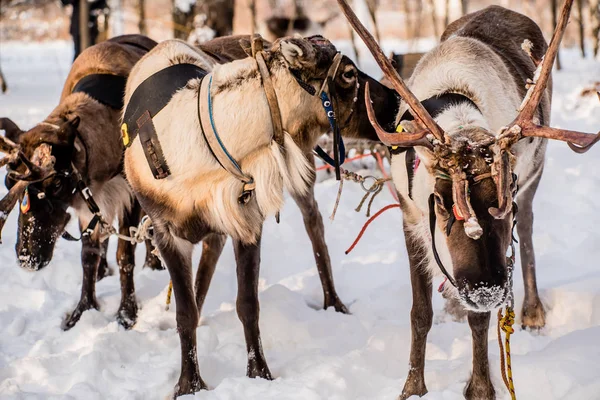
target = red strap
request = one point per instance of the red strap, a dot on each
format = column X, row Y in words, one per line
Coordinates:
column 362, row 231
column 457, row 213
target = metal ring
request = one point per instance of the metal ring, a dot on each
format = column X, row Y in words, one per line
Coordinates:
column 326, row 103
column 371, row 189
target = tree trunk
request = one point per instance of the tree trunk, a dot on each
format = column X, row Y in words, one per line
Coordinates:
column 183, row 21
column 3, row 84
column 446, row 13
column 417, row 26
column 141, row 8
column 434, row 18
column 219, row 15
column 464, row 4
column 84, row 24
column 372, row 5
column 595, row 17
column 581, row 26
column 408, row 17
column 554, row 18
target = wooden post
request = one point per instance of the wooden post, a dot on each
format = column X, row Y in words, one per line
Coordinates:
column 84, row 24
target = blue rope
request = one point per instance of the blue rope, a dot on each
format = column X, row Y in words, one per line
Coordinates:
column 212, row 124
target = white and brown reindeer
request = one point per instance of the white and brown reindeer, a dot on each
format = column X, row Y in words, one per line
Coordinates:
column 458, row 205
column 77, row 147
column 195, row 198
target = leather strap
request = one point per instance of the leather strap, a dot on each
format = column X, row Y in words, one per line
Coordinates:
column 154, row 94
column 278, row 135
column 105, row 88
column 216, row 146
column 436, row 104
column 151, row 145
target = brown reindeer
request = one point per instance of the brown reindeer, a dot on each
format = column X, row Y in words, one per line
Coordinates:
column 458, row 206
column 197, row 199
column 76, row 148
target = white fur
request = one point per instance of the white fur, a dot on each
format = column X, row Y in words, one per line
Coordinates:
column 465, row 66
column 198, row 185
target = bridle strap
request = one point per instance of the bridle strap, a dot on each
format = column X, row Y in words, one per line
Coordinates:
column 267, row 84
column 438, row 260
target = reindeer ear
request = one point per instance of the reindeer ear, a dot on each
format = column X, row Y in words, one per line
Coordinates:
column 292, row 53
column 12, row 131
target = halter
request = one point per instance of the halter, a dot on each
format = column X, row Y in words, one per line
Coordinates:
column 339, row 150
column 454, row 216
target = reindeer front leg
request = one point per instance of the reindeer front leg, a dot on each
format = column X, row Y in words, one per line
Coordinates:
column 421, row 318
column 177, row 254
column 91, row 253
column 313, row 223
column 103, row 268
column 533, row 315
column 248, row 266
column 212, row 247
column 480, row 385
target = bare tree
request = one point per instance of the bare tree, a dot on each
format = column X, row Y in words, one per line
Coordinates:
column 595, row 18
column 446, row 13
column 219, row 15
column 84, row 22
column 554, row 21
column 141, row 8
column 3, row 84
column 183, row 19
column 581, row 26
column 464, row 4
column 434, row 18
column 372, row 5
column 408, row 15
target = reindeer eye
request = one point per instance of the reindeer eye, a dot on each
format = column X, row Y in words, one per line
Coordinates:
column 348, row 75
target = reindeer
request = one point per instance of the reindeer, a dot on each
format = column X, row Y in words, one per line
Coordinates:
column 77, row 148
column 458, row 206
column 195, row 198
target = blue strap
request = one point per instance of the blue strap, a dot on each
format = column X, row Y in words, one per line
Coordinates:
column 339, row 147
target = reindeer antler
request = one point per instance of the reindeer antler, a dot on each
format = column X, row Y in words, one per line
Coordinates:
column 394, row 139
column 523, row 125
column 416, row 108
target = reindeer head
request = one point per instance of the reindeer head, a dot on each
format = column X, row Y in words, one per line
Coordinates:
column 40, row 177
column 471, row 201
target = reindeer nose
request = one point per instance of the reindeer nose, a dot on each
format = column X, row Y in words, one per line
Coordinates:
column 30, row 262
column 483, row 297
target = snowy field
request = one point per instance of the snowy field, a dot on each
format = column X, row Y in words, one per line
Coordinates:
column 314, row 354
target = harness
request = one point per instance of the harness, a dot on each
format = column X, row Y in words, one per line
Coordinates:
column 339, row 150
column 107, row 89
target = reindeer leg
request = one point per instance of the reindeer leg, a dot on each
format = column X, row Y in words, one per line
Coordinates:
column 103, row 268
column 151, row 260
column 533, row 315
column 127, row 314
column 248, row 266
column 313, row 222
column 90, row 260
column 212, row 246
column 421, row 319
column 480, row 385
column 177, row 254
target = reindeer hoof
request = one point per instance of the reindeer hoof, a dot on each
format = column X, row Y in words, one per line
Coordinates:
column 186, row 386
column 258, row 369
column 337, row 304
column 82, row 306
column 153, row 263
column 127, row 314
column 414, row 386
column 533, row 316
column 481, row 390
column 103, row 270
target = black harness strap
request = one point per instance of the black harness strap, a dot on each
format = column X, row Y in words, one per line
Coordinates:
column 436, row 104
column 148, row 99
column 105, row 88
column 438, row 260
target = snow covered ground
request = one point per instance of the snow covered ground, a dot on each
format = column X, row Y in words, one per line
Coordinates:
column 313, row 353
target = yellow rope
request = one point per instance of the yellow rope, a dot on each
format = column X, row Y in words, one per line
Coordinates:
column 505, row 323
column 169, row 291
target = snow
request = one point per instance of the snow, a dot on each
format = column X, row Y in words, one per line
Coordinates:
column 314, row 354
